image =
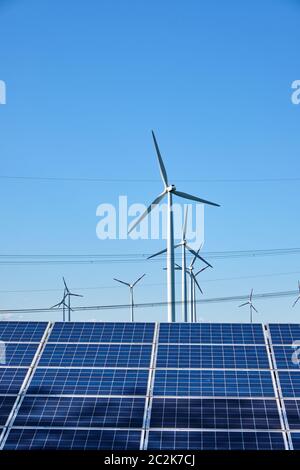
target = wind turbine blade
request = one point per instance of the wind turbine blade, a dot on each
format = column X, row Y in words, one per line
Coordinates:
column 184, row 225
column 122, row 282
column 196, row 255
column 197, row 284
column 296, row 301
column 147, row 211
column 177, row 266
column 66, row 287
column 158, row 253
column 251, row 294
column 161, row 163
column 194, row 198
column 201, row 270
column 56, row 305
column 252, row 306
column 194, row 259
column 75, row 295
column 299, row 285
column 243, row 305
column 138, row 280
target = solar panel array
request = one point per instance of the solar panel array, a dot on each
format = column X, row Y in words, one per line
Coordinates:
column 149, row 386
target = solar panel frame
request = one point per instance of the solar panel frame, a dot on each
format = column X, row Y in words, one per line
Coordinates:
column 22, row 332
column 284, row 333
column 11, row 379
column 6, row 405
column 20, row 354
column 284, row 358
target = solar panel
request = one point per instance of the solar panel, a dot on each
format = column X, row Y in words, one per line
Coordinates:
column 214, row 413
column 290, row 383
column 284, row 358
column 194, row 440
column 11, row 380
column 296, row 440
column 81, row 412
column 12, row 331
column 102, row 333
column 20, row 354
column 201, row 383
column 211, row 333
column 292, row 408
column 72, row 439
column 96, row 355
column 6, row 405
column 282, row 333
column 212, row 357
column 89, row 382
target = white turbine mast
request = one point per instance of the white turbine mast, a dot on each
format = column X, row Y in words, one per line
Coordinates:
column 169, row 191
column 250, row 303
column 131, row 286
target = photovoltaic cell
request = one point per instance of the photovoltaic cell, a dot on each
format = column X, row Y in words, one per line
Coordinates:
column 20, row 354
column 212, row 333
column 89, row 382
column 212, row 357
column 96, row 355
column 284, row 356
column 194, row 440
column 213, row 383
column 22, row 331
column 11, row 380
column 102, row 332
column 292, row 408
column 214, row 414
column 6, row 405
column 69, row 439
column 290, row 383
column 284, row 333
column 81, row 412
column 296, row 440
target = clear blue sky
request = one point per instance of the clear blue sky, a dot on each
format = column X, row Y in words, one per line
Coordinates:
column 87, row 81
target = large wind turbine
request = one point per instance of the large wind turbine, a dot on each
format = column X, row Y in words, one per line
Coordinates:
column 298, row 298
column 67, row 295
column 184, row 245
column 131, row 286
column 169, row 191
column 251, row 305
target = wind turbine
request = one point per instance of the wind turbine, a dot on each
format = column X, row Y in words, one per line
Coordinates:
column 184, row 245
column 169, row 191
column 131, row 286
column 298, row 298
column 251, row 305
column 67, row 296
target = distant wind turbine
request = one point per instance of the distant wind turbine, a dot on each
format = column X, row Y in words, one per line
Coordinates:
column 169, row 191
column 184, row 245
column 67, row 296
column 131, row 286
column 298, row 298
column 250, row 303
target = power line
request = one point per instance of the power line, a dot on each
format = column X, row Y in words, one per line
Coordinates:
column 34, row 259
column 147, row 180
column 236, row 298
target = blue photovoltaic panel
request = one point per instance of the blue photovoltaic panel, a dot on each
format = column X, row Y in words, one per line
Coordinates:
column 216, row 333
column 6, row 405
column 296, row 440
column 96, row 355
column 19, row 354
column 213, row 383
column 212, row 357
column 22, row 331
column 102, row 333
column 81, row 412
column 290, row 383
column 292, row 408
column 282, row 333
column 194, row 440
column 284, row 356
column 11, row 380
column 214, row 414
column 71, row 439
column 89, row 382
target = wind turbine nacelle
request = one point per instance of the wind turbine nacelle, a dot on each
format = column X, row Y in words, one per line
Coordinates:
column 171, row 188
